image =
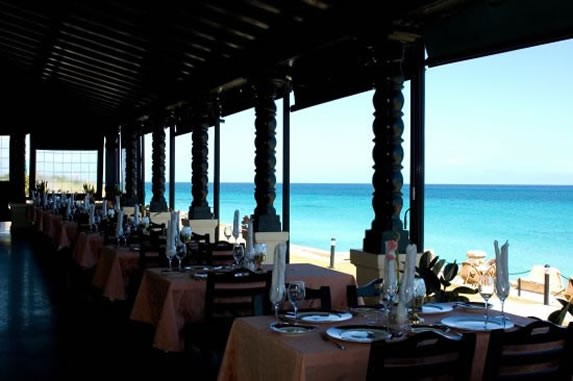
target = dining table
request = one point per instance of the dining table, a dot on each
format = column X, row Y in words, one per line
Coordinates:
column 113, row 270
column 256, row 350
column 168, row 299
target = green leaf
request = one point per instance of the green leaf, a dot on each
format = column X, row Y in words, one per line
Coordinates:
column 437, row 267
column 425, row 260
column 450, row 271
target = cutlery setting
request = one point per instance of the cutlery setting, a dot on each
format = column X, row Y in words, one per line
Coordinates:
column 327, row 338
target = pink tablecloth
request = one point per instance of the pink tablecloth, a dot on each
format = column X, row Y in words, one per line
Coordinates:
column 87, row 249
column 254, row 352
column 168, row 299
column 113, row 269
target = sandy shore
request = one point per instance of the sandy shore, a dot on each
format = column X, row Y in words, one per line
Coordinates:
column 528, row 304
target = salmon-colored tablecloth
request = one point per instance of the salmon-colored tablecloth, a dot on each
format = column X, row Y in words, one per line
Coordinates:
column 113, row 269
column 87, row 249
column 255, row 352
column 168, row 299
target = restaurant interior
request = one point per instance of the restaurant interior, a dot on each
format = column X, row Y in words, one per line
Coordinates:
column 95, row 285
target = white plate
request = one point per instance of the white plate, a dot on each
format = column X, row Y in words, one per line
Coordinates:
column 321, row 316
column 436, row 308
column 475, row 323
column 358, row 333
column 290, row 329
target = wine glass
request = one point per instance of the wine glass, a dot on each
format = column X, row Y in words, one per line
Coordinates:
column 260, row 254
column 486, row 290
column 502, row 291
column 418, row 301
column 170, row 254
column 277, row 296
column 295, row 293
column 238, row 254
column 228, row 231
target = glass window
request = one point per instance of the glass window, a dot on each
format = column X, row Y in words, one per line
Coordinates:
column 4, row 158
column 66, row 171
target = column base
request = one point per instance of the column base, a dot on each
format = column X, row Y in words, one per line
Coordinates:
column 204, row 226
column 272, row 239
column 200, row 213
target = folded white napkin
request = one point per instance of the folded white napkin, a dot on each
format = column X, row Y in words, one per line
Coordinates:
column 250, row 250
column 92, row 214
column 501, row 264
column 117, row 205
column 119, row 224
column 279, row 267
column 136, row 215
column 236, row 224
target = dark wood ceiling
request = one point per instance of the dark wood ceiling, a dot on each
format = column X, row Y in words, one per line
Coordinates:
column 106, row 63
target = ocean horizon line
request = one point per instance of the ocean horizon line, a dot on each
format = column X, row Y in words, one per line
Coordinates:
column 405, row 184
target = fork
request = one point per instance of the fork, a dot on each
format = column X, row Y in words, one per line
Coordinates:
column 327, row 338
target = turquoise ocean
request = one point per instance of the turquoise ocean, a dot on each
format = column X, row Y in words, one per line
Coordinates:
column 537, row 220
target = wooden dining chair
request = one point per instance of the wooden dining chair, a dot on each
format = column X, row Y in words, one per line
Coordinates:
column 221, row 254
column 370, row 289
column 426, row 355
column 228, row 295
column 321, row 295
column 539, row 351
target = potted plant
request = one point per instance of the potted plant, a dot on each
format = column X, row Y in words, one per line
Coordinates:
column 438, row 276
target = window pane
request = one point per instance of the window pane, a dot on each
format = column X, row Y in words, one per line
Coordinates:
column 66, row 171
column 4, row 158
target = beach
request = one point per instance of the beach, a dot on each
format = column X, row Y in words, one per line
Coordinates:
column 526, row 304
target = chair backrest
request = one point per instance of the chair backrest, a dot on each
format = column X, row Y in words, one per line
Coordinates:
column 237, row 293
column 321, row 294
column 539, row 351
column 221, row 254
column 370, row 289
column 425, row 355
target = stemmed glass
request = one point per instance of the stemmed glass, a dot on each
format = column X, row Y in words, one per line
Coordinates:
column 235, row 235
column 502, row 291
column 295, row 293
column 228, row 231
column 170, row 255
column 486, row 290
column 418, row 301
column 238, row 254
column 277, row 297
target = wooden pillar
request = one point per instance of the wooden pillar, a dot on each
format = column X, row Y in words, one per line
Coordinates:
column 131, row 172
column 417, row 136
column 18, row 167
column 158, row 203
column 199, row 208
column 266, row 89
column 387, row 153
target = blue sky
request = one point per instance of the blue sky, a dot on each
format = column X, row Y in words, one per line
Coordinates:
column 501, row 119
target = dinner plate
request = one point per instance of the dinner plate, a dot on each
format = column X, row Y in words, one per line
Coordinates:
column 321, row 316
column 358, row 333
column 475, row 323
column 291, row 329
column 436, row 308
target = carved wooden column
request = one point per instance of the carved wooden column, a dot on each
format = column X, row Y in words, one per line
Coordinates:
column 158, row 202
column 265, row 215
column 388, row 127
column 199, row 208
column 131, row 166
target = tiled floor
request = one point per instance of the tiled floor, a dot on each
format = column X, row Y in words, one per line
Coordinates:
column 52, row 327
